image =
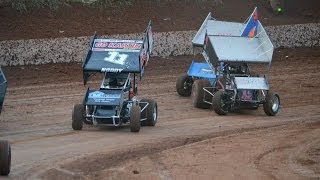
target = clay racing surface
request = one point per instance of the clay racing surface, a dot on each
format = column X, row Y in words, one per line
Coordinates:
column 166, row 15
column 186, row 142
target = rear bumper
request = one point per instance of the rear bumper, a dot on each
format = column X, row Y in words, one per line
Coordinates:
column 105, row 120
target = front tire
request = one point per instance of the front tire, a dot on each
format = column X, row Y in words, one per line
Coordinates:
column 219, row 103
column 5, row 158
column 151, row 112
column 135, row 115
column 198, row 94
column 78, row 114
column 184, row 85
column 271, row 105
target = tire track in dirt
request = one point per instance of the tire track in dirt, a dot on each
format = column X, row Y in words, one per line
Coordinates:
column 289, row 150
column 37, row 119
column 302, row 168
column 265, row 170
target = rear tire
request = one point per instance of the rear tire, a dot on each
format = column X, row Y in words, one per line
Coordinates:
column 5, row 158
column 218, row 103
column 151, row 112
column 271, row 105
column 198, row 92
column 184, row 85
column 78, row 114
column 135, row 114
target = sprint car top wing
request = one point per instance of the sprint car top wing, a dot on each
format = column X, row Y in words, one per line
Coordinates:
column 213, row 27
column 258, row 49
column 111, row 55
column 3, row 88
column 224, row 41
column 118, row 56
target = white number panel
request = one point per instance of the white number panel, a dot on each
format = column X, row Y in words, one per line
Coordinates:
column 116, row 57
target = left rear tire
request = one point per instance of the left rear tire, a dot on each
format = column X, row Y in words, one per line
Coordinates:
column 5, row 158
column 184, row 85
column 78, row 114
column 219, row 104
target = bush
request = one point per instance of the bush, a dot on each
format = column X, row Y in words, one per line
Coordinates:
column 112, row 3
column 26, row 5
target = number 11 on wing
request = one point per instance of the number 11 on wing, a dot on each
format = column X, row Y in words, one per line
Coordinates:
column 116, row 57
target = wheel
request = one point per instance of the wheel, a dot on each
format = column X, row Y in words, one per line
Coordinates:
column 151, row 112
column 271, row 105
column 78, row 114
column 5, row 158
column 198, row 94
column 135, row 123
column 184, row 85
column 219, row 104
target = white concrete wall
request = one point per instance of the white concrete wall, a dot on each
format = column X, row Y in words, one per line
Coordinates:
column 41, row 51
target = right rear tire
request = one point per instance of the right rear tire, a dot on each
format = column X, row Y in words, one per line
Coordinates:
column 78, row 114
column 150, row 113
column 135, row 114
column 5, row 158
column 271, row 105
column 184, row 85
column 198, row 94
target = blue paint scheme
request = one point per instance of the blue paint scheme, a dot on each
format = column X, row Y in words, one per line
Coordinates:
column 3, row 88
column 105, row 112
column 201, row 71
column 250, row 30
column 117, row 60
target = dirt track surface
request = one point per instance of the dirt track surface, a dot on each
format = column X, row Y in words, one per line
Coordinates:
column 186, row 140
column 166, row 15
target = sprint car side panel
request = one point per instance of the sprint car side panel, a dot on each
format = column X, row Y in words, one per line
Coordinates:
column 251, row 83
column 201, row 70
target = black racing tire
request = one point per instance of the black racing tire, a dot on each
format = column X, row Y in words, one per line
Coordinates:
column 5, row 158
column 135, row 115
column 271, row 105
column 198, row 94
column 78, row 114
column 151, row 112
column 218, row 103
column 184, row 85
